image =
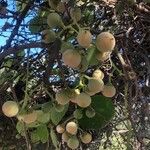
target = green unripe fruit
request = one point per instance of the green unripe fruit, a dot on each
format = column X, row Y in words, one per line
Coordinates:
column 10, row 108
column 73, row 142
column 95, row 85
column 75, row 14
column 48, row 36
column 65, row 136
column 54, row 20
column 78, row 114
column 105, row 42
column 90, row 112
column 83, row 100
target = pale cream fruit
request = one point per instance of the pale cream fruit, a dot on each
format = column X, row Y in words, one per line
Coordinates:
column 54, row 20
column 72, row 128
column 91, row 93
column 65, row 136
column 109, row 91
column 77, row 92
column 95, row 85
column 71, row 58
column 48, row 36
column 102, row 56
column 60, row 129
column 75, row 14
column 86, row 138
column 98, row 74
column 105, row 42
column 73, row 142
column 29, row 118
column 83, row 100
column 10, row 108
column 84, row 38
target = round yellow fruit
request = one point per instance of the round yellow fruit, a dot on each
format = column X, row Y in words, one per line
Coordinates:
column 28, row 118
column 98, row 74
column 10, row 108
column 71, row 58
column 54, row 20
column 105, row 42
column 73, row 143
column 95, row 85
column 77, row 92
column 65, row 136
column 48, row 36
column 86, row 138
column 60, row 129
column 83, row 100
column 72, row 128
column 75, row 14
column 84, row 38
column 102, row 56
column 109, row 91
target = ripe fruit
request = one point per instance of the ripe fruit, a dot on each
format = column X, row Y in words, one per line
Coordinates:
column 65, row 136
column 48, row 36
column 77, row 92
column 103, row 56
column 84, row 38
column 90, row 112
column 105, row 42
column 73, row 142
column 83, row 100
column 10, row 108
column 95, row 85
column 98, row 74
column 29, row 118
column 75, row 14
column 91, row 93
column 78, row 114
column 86, row 138
column 71, row 128
column 60, row 129
column 71, row 58
column 109, row 91
column 54, row 20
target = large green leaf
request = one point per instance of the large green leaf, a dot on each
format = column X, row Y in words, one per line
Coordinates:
column 56, row 116
column 43, row 133
column 54, row 138
column 104, row 109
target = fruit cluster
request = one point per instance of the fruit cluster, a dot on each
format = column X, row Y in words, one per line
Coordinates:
column 71, row 135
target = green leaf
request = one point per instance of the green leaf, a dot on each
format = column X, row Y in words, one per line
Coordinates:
column 104, row 110
column 55, row 116
column 43, row 133
column 91, row 56
column 46, row 107
column 8, row 62
column 54, row 138
column 35, row 24
column 34, row 137
column 43, row 117
column 20, row 127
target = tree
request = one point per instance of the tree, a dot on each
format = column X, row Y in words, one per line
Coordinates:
column 73, row 72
